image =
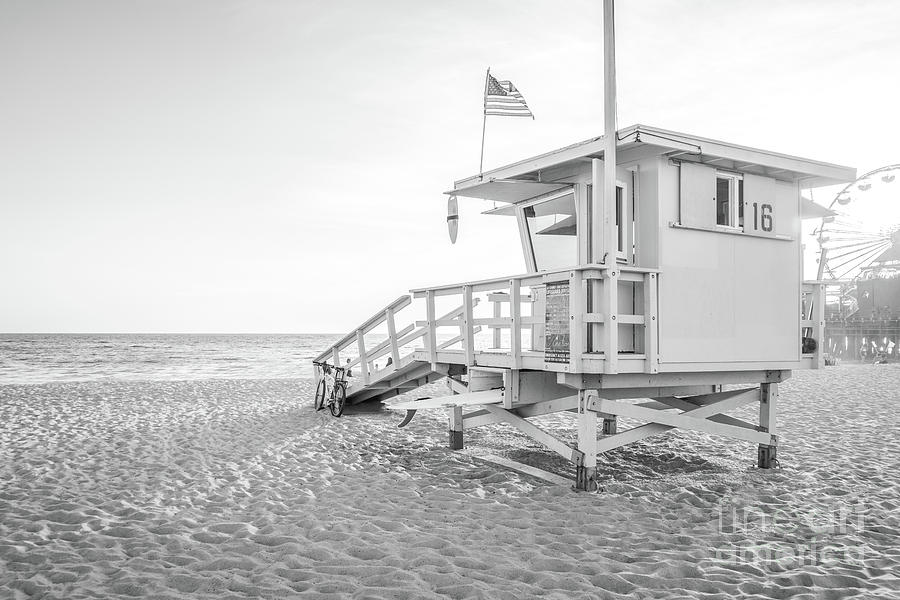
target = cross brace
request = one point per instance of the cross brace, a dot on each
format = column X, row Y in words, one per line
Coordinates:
column 536, row 433
column 697, row 417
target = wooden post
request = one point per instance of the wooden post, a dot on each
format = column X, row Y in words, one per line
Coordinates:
column 576, row 321
column 456, row 428
column 498, row 311
column 597, row 255
column 651, row 324
column 595, row 302
column 392, row 334
column 515, row 317
column 431, row 337
column 597, row 214
column 461, row 321
column 468, row 325
column 610, row 425
column 511, row 381
column 336, row 356
column 583, row 212
column 768, row 401
column 363, row 363
column 586, row 468
column 610, row 319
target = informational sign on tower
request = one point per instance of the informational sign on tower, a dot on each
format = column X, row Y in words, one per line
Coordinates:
column 556, row 323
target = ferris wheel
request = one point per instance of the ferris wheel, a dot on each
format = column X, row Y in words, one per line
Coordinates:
column 865, row 225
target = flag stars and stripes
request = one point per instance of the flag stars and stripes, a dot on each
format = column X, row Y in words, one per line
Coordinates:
column 503, row 99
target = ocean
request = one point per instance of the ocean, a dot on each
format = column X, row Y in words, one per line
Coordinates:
column 54, row 358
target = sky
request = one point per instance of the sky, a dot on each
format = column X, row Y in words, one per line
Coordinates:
column 279, row 166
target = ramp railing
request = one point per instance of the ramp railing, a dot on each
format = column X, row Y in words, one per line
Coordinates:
column 363, row 363
column 365, row 358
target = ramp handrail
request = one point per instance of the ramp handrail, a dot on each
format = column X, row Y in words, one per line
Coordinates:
column 367, row 326
column 397, row 339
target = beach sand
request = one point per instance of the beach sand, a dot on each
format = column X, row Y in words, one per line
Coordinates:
column 237, row 489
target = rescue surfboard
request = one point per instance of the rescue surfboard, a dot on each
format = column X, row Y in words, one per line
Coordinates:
column 452, row 218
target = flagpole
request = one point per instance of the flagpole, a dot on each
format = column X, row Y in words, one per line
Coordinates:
column 610, row 234
column 484, row 122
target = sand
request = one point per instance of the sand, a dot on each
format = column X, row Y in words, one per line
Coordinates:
column 237, row 489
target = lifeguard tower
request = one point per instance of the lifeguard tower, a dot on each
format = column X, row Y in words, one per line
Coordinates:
column 688, row 280
column 660, row 267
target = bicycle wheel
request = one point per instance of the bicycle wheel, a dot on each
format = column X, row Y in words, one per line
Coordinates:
column 340, row 396
column 320, row 395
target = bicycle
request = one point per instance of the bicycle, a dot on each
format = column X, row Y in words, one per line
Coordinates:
column 331, row 390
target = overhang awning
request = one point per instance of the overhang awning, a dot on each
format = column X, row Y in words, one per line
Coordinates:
column 507, row 190
column 811, row 210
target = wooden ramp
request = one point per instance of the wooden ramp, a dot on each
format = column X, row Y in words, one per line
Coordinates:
column 392, row 381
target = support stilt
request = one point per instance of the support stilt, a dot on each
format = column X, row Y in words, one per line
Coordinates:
column 766, row 458
column 610, row 426
column 456, row 428
column 586, row 465
column 768, row 400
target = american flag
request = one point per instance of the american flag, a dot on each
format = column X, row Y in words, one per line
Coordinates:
column 503, row 99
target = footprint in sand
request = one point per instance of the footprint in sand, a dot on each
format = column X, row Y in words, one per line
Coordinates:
column 207, row 537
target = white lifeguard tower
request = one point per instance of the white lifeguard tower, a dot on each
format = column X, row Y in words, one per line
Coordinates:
column 661, row 266
column 688, row 280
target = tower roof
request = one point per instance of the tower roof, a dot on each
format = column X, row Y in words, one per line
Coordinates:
column 524, row 179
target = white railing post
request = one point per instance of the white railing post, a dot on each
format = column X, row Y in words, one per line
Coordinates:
column 363, row 363
column 461, row 320
column 610, row 320
column 538, row 317
column 515, row 318
column 468, row 325
column 336, row 356
column 431, row 336
column 596, row 306
column 498, row 312
column 576, row 321
column 392, row 334
column 651, row 324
